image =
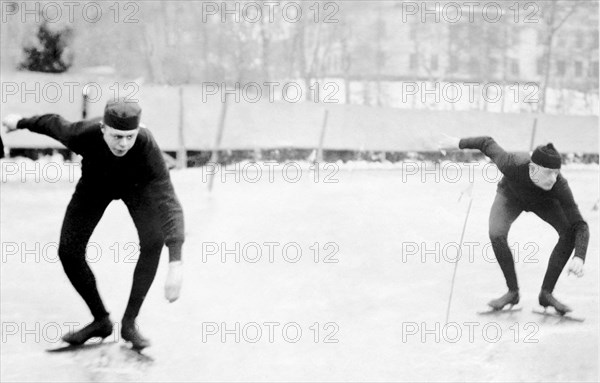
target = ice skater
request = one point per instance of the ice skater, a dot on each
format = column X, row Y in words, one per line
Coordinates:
column 121, row 160
column 531, row 184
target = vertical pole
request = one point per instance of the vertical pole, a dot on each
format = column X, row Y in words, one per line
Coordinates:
column 84, row 107
column 322, row 137
column 84, row 114
column 533, row 132
column 214, row 158
column 181, row 153
column 462, row 237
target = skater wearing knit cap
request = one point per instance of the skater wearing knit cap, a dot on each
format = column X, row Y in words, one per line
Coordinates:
column 121, row 160
column 531, row 184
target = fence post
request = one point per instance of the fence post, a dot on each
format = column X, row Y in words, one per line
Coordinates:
column 214, row 158
column 322, row 137
column 181, row 152
column 533, row 133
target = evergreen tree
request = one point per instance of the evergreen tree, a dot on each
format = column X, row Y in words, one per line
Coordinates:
column 49, row 52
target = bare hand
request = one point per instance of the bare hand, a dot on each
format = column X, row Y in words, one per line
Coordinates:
column 10, row 122
column 174, row 281
column 576, row 267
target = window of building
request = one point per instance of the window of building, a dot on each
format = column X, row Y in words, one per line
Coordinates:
column 434, row 62
column 453, row 32
column 493, row 39
column 511, row 38
column 594, row 69
column 413, row 61
column 474, row 65
column 332, row 63
column 540, row 38
column 514, row 67
column 494, row 64
column 453, row 66
column 540, row 66
column 381, row 29
column 561, row 67
column 579, row 40
column 578, row 68
column 413, row 32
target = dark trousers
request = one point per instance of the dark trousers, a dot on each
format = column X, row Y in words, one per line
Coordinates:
column 83, row 214
column 505, row 211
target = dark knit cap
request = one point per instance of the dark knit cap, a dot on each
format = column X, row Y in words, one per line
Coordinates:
column 122, row 115
column 546, row 156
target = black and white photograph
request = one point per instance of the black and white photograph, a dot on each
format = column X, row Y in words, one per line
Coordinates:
column 299, row 191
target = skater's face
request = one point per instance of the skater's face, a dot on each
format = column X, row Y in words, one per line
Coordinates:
column 544, row 178
column 119, row 141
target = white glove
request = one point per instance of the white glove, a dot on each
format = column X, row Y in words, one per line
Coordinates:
column 446, row 142
column 174, row 281
column 10, row 121
column 576, row 267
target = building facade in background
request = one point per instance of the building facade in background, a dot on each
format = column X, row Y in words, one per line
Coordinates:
column 372, row 50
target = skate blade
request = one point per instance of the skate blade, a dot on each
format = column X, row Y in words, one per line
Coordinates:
column 503, row 311
column 561, row 317
column 80, row 347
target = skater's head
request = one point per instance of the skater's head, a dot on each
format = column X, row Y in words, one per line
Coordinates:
column 544, row 166
column 120, row 125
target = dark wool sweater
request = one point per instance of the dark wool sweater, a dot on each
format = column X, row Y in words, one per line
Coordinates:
column 142, row 171
column 517, row 185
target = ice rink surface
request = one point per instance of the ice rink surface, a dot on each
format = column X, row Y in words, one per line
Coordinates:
column 352, row 284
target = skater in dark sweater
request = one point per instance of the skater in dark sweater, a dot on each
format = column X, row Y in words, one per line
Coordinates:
column 122, row 161
column 531, row 184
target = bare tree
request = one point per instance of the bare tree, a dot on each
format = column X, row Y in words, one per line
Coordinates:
column 380, row 55
column 266, row 46
column 155, row 42
column 346, row 62
column 554, row 15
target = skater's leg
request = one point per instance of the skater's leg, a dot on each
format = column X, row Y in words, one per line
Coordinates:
column 503, row 213
column 82, row 216
column 555, row 216
column 147, row 222
column 146, row 219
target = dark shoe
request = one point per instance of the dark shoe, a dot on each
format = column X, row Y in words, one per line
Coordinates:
column 130, row 333
column 100, row 328
column 510, row 298
column 547, row 299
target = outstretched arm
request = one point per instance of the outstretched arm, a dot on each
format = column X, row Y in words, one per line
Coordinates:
column 51, row 125
column 505, row 161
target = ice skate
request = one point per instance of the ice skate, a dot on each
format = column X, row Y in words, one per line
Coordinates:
column 97, row 329
column 547, row 299
column 130, row 333
column 510, row 298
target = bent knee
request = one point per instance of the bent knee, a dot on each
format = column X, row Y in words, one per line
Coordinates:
column 71, row 252
column 498, row 236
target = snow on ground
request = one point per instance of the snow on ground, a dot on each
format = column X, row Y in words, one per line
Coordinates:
column 378, row 313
